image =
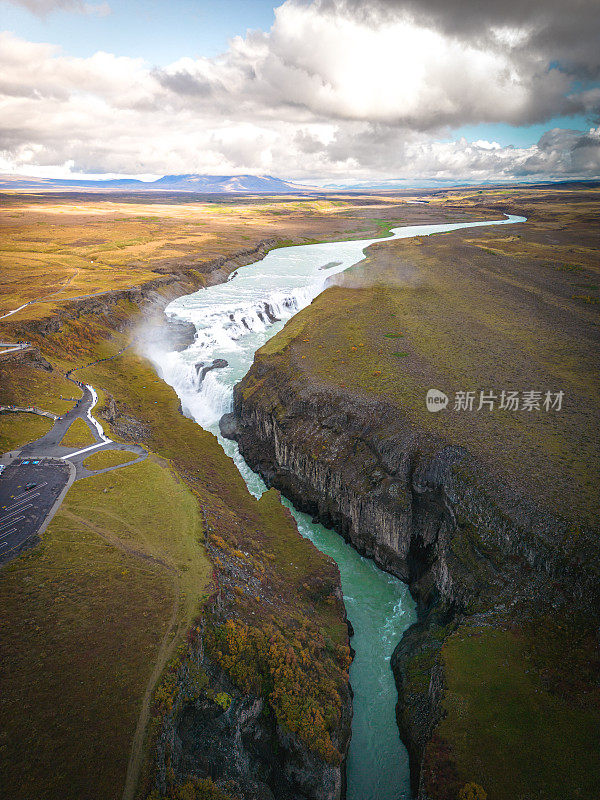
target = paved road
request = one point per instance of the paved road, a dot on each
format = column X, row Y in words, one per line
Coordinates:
column 49, row 445
column 29, row 492
column 48, row 469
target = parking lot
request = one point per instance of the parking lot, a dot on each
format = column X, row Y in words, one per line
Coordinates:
column 29, row 489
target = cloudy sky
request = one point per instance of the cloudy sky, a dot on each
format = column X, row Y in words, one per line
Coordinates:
column 321, row 91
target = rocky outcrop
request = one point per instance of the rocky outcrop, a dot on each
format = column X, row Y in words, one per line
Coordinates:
column 467, row 542
column 208, row 727
column 179, row 333
column 27, row 357
column 213, row 730
column 202, row 369
column 123, row 424
column 423, row 510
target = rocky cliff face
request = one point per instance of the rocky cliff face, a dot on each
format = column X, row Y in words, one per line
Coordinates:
column 212, row 729
column 467, row 543
column 154, row 294
column 207, row 725
column 258, row 700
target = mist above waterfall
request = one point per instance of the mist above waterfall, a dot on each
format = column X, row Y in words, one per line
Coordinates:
column 235, row 318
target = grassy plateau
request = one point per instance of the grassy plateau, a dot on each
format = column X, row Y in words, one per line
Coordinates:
column 97, row 618
column 98, row 615
column 511, row 308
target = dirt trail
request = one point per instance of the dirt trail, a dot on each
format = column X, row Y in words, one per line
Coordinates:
column 44, row 298
column 167, row 647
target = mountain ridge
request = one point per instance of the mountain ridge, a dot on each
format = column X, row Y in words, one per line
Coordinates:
column 188, row 182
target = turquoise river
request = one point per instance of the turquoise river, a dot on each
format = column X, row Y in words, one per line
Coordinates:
column 232, row 321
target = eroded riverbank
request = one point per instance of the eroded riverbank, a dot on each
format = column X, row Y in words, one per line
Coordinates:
column 490, row 516
column 233, row 320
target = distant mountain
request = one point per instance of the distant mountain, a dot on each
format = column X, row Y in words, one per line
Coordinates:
column 200, row 184
column 234, row 184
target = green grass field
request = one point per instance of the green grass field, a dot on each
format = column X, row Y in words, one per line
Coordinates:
column 85, row 619
column 514, row 729
column 19, row 429
column 108, row 458
column 78, row 435
column 444, row 313
column 27, row 381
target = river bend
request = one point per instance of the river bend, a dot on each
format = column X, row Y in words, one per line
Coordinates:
column 232, row 321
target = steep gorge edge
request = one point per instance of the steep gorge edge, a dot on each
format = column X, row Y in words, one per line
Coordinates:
column 243, row 746
column 472, row 547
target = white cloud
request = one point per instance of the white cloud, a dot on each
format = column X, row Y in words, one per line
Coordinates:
column 398, row 71
column 331, row 65
column 44, row 7
column 485, row 145
column 322, row 95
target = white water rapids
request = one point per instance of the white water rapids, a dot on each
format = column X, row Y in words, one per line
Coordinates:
column 232, row 321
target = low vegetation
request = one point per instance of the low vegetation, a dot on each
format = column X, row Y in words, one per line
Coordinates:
column 108, row 458
column 444, row 313
column 28, row 380
column 296, row 677
column 479, row 310
column 195, row 789
column 19, row 429
column 522, row 710
column 78, row 435
column 95, row 618
column 121, row 567
column 56, row 250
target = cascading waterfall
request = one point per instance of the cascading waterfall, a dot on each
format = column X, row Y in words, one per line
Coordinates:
column 233, row 320
column 207, row 397
column 219, row 329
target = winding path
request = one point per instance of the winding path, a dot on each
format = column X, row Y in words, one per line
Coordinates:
column 41, row 299
column 50, row 469
column 13, row 347
column 48, row 457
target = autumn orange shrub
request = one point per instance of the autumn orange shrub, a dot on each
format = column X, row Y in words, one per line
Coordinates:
column 472, row 791
column 294, row 676
column 194, row 789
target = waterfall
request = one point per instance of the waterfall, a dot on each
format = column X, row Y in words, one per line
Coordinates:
column 233, row 320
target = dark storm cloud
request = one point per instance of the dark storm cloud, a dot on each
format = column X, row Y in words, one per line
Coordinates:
column 472, row 16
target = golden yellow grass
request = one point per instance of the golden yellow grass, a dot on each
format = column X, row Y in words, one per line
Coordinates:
column 77, row 435
column 108, row 458
column 19, row 429
column 121, row 567
column 24, row 382
column 54, row 251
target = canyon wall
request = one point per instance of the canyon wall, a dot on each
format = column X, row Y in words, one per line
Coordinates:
column 470, row 545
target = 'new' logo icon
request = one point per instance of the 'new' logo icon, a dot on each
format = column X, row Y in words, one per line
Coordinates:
column 436, row 400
